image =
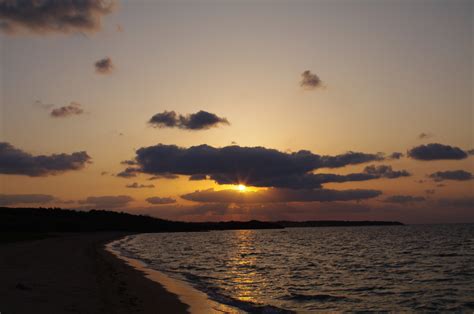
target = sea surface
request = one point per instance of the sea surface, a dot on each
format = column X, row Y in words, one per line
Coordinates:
column 392, row 268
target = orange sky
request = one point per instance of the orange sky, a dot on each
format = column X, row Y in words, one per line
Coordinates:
column 389, row 71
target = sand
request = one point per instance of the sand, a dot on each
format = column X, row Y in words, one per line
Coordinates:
column 73, row 273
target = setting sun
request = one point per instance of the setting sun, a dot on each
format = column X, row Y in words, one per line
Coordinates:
column 241, row 187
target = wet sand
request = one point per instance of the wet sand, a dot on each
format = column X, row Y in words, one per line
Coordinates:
column 73, row 273
column 198, row 302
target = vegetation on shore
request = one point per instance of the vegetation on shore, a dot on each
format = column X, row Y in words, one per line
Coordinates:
column 64, row 220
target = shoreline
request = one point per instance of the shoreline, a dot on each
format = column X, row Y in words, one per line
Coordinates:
column 74, row 273
column 198, row 301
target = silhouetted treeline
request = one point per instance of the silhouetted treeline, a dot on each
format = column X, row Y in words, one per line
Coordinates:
column 63, row 220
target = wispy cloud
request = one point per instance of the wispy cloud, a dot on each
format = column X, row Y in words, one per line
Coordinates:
column 15, row 199
column 73, row 109
column 108, row 201
column 160, row 200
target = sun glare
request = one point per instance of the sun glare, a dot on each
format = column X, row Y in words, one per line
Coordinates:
column 241, row 187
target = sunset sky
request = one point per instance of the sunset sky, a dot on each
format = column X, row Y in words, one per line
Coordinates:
column 307, row 94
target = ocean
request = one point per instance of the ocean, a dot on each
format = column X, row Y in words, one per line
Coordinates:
column 394, row 268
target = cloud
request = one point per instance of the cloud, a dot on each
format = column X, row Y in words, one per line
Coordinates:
column 17, row 162
column 129, row 172
column 135, row 185
column 107, row 201
column 349, row 158
column 311, row 180
column 430, row 191
column 470, row 152
column 53, row 16
column 279, row 195
column 457, row 175
column 310, row 80
column 160, row 200
column 436, row 151
column 423, row 135
column 72, row 109
column 14, row 199
column 168, row 176
column 104, row 66
column 128, row 162
column 403, row 199
column 256, row 166
column 395, row 155
column 201, row 120
column 197, row 177
column 384, row 171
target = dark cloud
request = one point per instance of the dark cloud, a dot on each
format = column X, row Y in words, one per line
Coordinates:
column 73, row 109
column 457, row 175
column 395, row 155
column 310, row 80
column 104, row 66
column 135, row 185
column 106, row 201
column 129, row 172
column 128, row 162
column 279, row 195
column 53, row 16
column 14, row 199
column 166, row 119
column 257, row 166
column 470, row 152
column 404, row 199
column 17, row 162
column 160, row 200
column 312, row 180
column 349, row 158
column 201, row 120
column 168, row 176
column 197, row 177
column 423, row 135
column 436, row 151
column 384, row 171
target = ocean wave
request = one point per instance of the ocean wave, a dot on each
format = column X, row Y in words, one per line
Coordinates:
column 316, row 297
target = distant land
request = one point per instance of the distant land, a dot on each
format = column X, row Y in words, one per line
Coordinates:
column 65, row 220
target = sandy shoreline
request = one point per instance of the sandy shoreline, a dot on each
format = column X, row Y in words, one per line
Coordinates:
column 72, row 273
column 198, row 302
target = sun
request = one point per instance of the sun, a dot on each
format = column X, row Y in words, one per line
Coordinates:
column 241, row 187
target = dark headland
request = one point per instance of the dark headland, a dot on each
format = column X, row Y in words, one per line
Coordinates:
column 63, row 220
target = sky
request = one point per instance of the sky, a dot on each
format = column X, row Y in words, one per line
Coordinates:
column 300, row 103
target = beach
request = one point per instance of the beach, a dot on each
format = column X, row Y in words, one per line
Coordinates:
column 73, row 273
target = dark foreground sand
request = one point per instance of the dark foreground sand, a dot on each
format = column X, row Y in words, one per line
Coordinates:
column 72, row 273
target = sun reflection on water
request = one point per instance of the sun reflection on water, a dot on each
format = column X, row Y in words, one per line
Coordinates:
column 243, row 266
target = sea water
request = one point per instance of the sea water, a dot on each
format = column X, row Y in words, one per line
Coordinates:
column 395, row 268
